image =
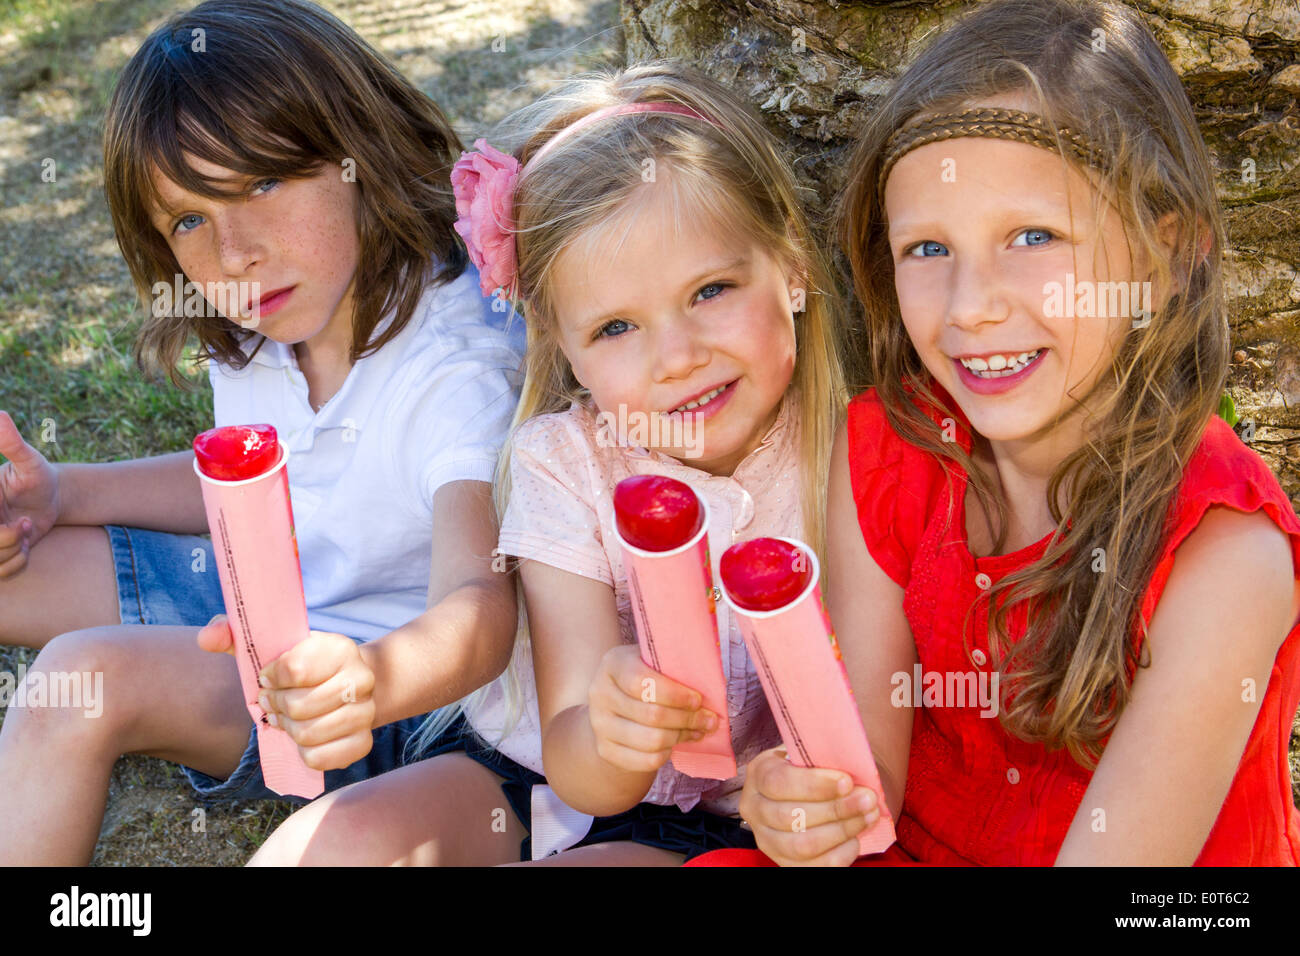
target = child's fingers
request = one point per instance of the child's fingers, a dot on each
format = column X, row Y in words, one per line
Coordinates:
column 338, row 754
column 633, row 761
column 311, row 661
column 657, row 714
column 637, row 736
column 794, row 815
column 339, row 724
column 831, row 844
column 630, row 674
column 13, row 550
column 306, row 703
column 13, row 535
column 13, row 563
column 778, row 779
column 216, row 636
column 13, row 446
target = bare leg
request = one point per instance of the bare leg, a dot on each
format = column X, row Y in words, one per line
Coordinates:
column 444, row 811
column 162, row 696
column 619, row 853
column 69, row 583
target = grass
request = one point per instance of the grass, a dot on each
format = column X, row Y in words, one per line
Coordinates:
column 82, row 397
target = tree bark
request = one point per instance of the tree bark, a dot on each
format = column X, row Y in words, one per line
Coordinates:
column 814, row 70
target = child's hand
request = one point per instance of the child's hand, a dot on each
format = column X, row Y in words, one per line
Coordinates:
column 638, row 714
column 29, row 498
column 319, row 692
column 804, row 816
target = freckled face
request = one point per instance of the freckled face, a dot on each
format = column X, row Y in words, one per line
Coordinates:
column 975, row 260
column 651, row 320
column 297, row 239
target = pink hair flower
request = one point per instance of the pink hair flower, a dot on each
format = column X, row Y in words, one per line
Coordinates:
column 483, row 182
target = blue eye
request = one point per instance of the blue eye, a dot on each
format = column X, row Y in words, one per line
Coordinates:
column 600, row 333
column 928, row 249
column 178, row 231
column 719, row 286
column 1033, row 237
column 265, row 185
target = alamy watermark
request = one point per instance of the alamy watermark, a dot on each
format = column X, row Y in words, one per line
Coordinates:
column 231, row 300
column 1088, row 299
column 75, row 908
column 650, row 430
column 946, row 689
column 83, row 689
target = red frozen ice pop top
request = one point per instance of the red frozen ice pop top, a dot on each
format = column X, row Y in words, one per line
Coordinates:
column 656, row 513
column 236, row 452
column 764, row 574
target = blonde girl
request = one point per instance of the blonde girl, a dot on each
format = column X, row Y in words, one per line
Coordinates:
column 654, row 236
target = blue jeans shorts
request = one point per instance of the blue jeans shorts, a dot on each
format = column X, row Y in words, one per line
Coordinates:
column 172, row 579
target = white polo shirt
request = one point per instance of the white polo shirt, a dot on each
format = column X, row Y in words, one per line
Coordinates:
column 432, row 406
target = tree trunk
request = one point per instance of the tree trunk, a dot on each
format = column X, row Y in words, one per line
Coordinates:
column 815, row 69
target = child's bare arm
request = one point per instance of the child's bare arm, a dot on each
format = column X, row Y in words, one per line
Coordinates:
column 602, row 740
column 160, row 493
column 464, row 639
column 1171, row 759
column 328, row 692
column 866, row 608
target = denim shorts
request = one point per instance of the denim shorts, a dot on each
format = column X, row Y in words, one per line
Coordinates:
column 165, row 578
column 171, row 579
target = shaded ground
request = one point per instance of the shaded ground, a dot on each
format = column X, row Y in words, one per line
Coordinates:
column 67, row 312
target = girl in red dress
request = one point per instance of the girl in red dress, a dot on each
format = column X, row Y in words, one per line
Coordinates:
column 1068, row 602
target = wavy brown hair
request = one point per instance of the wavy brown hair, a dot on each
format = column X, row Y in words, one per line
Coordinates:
column 1067, row 679
column 279, row 89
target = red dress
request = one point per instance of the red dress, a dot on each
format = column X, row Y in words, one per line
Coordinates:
column 975, row 794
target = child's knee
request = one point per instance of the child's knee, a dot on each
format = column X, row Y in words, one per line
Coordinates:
column 66, row 687
column 328, row 832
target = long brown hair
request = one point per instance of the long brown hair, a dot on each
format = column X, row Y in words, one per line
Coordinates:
column 279, row 89
column 1095, row 69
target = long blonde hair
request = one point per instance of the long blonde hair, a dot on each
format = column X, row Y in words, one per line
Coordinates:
column 731, row 170
column 1068, row 678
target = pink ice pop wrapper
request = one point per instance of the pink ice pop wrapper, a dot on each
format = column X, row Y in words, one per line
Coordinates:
column 798, row 661
column 246, row 495
column 671, row 586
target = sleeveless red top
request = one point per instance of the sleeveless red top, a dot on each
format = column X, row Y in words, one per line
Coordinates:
column 974, row 794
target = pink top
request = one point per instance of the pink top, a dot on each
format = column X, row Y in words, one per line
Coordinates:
column 564, row 467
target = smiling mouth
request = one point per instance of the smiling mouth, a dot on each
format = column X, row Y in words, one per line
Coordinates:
column 1000, row 366
column 701, row 400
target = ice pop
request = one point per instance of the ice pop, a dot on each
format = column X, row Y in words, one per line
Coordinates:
column 662, row 527
column 771, row 584
column 242, row 470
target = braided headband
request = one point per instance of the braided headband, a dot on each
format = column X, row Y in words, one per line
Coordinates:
column 987, row 122
column 483, row 181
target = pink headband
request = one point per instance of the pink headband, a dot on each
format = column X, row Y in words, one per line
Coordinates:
column 483, row 181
